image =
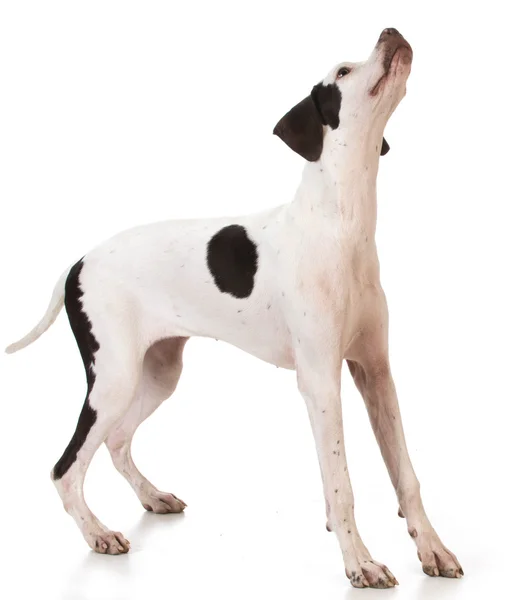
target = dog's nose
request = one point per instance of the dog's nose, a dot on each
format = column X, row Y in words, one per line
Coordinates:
column 389, row 32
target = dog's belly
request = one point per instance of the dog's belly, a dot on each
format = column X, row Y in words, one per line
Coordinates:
column 256, row 326
column 258, row 331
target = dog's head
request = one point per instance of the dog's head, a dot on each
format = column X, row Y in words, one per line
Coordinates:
column 355, row 98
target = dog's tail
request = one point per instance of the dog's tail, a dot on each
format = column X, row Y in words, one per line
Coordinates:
column 53, row 310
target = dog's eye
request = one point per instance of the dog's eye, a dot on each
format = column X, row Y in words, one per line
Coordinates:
column 343, row 72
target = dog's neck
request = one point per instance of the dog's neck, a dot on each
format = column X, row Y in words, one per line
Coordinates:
column 342, row 183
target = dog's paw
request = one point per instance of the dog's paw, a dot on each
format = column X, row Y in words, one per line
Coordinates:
column 109, row 542
column 162, row 503
column 436, row 560
column 372, row 574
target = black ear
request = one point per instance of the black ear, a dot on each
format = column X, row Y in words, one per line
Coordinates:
column 301, row 129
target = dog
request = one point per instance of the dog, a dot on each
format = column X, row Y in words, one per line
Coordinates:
column 297, row 286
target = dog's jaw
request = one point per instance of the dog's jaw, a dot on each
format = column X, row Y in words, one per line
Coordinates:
column 393, row 58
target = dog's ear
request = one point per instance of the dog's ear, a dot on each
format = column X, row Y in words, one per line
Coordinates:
column 301, row 129
column 327, row 99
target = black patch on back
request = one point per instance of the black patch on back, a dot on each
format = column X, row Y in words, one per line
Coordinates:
column 88, row 346
column 232, row 260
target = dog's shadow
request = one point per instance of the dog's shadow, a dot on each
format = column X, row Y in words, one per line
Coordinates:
column 433, row 588
column 148, row 524
column 109, row 573
column 429, row 588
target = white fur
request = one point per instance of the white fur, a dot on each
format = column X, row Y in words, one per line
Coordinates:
column 317, row 300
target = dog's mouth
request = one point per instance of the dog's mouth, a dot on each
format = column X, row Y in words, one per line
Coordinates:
column 394, row 56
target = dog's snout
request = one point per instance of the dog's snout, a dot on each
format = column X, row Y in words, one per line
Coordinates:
column 389, row 32
column 391, row 39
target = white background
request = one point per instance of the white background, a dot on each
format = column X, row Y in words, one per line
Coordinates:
column 119, row 113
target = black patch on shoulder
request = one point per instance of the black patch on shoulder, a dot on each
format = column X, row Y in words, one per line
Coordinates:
column 88, row 346
column 232, row 260
column 327, row 99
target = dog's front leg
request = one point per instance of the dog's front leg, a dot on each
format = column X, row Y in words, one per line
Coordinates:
column 319, row 383
column 373, row 378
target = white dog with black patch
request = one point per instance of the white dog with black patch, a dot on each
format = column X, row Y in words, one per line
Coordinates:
column 297, row 286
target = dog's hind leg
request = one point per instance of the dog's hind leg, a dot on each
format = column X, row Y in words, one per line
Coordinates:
column 109, row 396
column 162, row 367
column 112, row 359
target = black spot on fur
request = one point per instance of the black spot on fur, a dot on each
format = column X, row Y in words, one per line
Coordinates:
column 85, row 422
column 88, row 346
column 232, row 260
column 327, row 99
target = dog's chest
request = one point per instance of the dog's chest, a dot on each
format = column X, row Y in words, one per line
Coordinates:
column 335, row 282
